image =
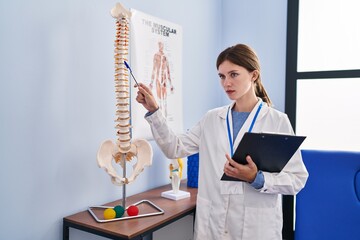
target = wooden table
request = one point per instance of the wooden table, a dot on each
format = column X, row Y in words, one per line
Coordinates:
column 139, row 227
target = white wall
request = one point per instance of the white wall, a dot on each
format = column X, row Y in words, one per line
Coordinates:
column 57, row 103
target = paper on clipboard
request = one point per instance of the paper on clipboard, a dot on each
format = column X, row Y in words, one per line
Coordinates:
column 269, row 151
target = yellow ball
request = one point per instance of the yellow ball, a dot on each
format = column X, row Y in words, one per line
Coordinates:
column 109, row 213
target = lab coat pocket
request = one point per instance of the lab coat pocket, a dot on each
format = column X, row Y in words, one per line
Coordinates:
column 203, row 210
column 262, row 223
column 231, row 187
column 254, row 198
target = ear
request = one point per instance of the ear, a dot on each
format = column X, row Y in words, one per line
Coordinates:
column 255, row 75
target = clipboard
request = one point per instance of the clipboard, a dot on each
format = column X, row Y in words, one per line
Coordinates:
column 270, row 151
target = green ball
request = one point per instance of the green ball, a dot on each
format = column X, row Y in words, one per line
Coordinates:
column 119, row 211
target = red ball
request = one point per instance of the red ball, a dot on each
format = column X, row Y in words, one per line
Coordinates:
column 132, row 210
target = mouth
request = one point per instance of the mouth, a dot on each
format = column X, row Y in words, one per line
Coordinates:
column 230, row 91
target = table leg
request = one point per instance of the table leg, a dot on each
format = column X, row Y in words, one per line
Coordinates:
column 147, row 237
column 66, row 235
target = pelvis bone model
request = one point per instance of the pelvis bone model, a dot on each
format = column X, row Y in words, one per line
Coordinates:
column 125, row 149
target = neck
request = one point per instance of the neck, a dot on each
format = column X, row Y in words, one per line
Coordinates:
column 245, row 105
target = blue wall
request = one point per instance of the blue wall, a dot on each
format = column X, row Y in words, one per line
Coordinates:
column 56, row 99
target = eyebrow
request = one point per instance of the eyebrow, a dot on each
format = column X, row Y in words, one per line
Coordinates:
column 232, row 71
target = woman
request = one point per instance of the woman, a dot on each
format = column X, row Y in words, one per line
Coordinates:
column 248, row 209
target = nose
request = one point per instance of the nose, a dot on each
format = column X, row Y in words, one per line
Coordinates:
column 226, row 81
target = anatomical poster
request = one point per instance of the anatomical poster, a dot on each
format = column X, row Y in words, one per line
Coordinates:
column 156, row 61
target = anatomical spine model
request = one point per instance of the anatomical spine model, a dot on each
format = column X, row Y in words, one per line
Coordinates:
column 125, row 149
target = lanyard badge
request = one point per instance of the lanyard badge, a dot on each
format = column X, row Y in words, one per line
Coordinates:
column 250, row 128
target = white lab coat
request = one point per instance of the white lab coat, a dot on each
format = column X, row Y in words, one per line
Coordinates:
column 227, row 209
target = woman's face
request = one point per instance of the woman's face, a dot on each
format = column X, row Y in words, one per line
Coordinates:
column 237, row 81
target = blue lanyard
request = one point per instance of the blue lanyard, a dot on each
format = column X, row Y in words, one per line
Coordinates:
column 250, row 129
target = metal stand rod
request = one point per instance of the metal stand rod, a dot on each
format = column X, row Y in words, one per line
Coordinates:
column 124, row 186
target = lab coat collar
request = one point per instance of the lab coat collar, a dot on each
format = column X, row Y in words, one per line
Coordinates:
column 224, row 111
column 222, row 114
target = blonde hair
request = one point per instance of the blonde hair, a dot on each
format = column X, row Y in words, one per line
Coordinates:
column 246, row 57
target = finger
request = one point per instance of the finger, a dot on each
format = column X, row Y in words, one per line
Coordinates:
column 145, row 93
column 145, row 88
column 142, row 92
column 233, row 163
column 251, row 163
column 140, row 97
column 228, row 159
column 227, row 165
column 228, row 169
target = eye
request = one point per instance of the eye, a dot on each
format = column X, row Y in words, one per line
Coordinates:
column 221, row 76
column 234, row 74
